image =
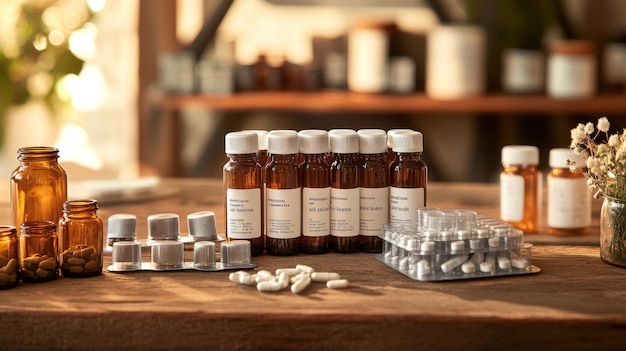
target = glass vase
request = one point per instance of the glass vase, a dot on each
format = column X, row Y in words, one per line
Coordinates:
column 613, row 231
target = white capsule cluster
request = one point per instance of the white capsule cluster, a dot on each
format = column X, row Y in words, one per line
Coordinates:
column 299, row 278
column 457, row 244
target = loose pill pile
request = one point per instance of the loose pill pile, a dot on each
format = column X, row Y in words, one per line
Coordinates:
column 299, row 277
column 455, row 244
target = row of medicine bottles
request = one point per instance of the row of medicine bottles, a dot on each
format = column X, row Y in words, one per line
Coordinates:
column 521, row 191
column 313, row 191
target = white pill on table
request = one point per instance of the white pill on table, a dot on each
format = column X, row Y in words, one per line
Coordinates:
column 468, row 267
column 301, row 275
column 300, row 285
column 264, row 278
column 283, row 280
column 289, row 271
column 337, row 284
column 246, row 279
column 264, row 273
column 305, row 268
column 234, row 277
column 269, row 286
column 323, row 277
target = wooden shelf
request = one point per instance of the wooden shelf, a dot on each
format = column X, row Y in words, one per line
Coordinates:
column 335, row 101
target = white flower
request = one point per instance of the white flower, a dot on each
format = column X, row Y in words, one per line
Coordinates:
column 614, row 140
column 578, row 135
column 589, row 128
column 603, row 124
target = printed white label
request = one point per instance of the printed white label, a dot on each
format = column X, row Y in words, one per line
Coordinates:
column 344, row 212
column 243, row 213
column 569, row 203
column 511, row 197
column 283, row 213
column 315, row 211
column 404, row 203
column 374, row 204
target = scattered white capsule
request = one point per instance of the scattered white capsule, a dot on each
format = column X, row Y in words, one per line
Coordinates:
column 300, row 284
column 246, row 279
column 283, row 280
column 234, row 277
column 268, row 286
column 264, row 273
column 264, row 278
column 452, row 263
column 323, row 277
column 290, row 271
column 295, row 278
column 337, row 284
column 520, row 263
column 486, row 267
column 304, row 268
column 468, row 267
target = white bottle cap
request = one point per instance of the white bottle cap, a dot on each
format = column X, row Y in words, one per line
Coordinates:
column 122, row 225
column 313, row 141
column 282, row 142
column 559, row 157
column 243, row 142
column 262, row 134
column 343, row 141
column 408, row 142
column 392, row 132
column 520, row 155
column 163, row 226
column 372, row 141
column 202, row 225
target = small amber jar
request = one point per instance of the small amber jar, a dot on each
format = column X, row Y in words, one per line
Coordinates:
column 38, row 186
column 80, row 239
column 9, row 265
column 38, row 251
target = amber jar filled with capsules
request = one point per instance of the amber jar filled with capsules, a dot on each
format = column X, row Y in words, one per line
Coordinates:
column 81, row 239
column 9, row 259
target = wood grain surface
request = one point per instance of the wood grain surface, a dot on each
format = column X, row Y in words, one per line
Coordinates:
column 576, row 302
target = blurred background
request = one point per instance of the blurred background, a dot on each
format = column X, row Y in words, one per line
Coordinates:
column 129, row 88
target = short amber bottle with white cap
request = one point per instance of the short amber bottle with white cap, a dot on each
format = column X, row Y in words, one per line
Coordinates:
column 569, row 197
column 521, row 186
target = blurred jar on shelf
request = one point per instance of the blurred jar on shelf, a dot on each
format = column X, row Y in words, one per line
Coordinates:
column 368, row 55
column 571, row 69
column 455, row 61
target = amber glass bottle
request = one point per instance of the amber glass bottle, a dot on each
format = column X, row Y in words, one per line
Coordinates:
column 521, row 186
column 81, row 239
column 569, row 197
column 315, row 175
column 391, row 156
column 283, row 190
column 38, row 251
column 243, row 190
column 408, row 178
column 38, row 186
column 373, row 188
column 344, row 191
column 9, row 258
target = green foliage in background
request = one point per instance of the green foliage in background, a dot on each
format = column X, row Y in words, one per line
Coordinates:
column 30, row 65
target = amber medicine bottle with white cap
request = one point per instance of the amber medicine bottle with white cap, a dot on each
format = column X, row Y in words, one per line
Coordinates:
column 569, row 197
column 521, row 187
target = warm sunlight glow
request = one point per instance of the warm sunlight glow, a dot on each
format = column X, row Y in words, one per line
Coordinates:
column 74, row 142
column 83, row 41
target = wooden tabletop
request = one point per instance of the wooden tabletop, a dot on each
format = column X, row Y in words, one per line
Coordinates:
column 575, row 302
